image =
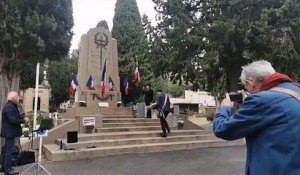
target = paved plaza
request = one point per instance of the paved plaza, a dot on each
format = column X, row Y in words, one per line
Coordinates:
column 209, row 161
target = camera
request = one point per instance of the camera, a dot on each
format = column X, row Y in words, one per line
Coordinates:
column 236, row 97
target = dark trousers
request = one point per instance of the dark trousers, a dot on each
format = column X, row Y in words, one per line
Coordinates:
column 8, row 151
column 148, row 110
column 148, row 113
column 164, row 124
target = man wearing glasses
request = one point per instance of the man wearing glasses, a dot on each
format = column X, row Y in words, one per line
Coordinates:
column 269, row 119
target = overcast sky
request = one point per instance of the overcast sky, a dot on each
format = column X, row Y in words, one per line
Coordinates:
column 87, row 13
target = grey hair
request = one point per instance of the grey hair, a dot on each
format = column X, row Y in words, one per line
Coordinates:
column 11, row 95
column 258, row 70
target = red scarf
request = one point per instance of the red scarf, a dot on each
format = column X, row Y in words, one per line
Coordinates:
column 274, row 80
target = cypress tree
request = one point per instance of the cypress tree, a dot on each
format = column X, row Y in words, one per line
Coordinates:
column 128, row 31
column 132, row 45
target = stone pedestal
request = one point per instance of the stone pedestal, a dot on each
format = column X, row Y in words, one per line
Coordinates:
column 141, row 110
column 172, row 120
column 176, row 109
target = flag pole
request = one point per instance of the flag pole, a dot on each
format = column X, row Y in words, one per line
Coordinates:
column 36, row 95
column 136, row 80
column 79, row 87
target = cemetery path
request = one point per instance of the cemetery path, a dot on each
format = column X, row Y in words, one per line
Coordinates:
column 209, row 161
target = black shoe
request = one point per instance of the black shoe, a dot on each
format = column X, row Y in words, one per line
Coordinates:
column 163, row 135
column 169, row 131
column 11, row 172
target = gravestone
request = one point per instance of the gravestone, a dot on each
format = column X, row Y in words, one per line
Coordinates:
column 96, row 47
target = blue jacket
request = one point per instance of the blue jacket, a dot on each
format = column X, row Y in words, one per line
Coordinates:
column 161, row 101
column 270, row 122
column 11, row 121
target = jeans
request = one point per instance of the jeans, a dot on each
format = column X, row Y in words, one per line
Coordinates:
column 8, row 151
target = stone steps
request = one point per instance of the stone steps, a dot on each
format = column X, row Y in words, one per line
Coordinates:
column 72, row 112
column 136, row 134
column 53, row 152
column 123, row 134
column 135, row 141
column 130, row 124
column 109, row 116
column 126, row 129
column 127, row 120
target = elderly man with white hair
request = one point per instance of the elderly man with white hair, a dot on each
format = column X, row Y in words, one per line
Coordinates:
column 269, row 119
column 11, row 129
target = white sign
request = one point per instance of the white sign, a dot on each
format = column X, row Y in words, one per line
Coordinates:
column 88, row 121
column 103, row 105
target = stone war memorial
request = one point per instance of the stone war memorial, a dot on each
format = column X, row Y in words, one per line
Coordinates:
column 97, row 130
column 98, row 51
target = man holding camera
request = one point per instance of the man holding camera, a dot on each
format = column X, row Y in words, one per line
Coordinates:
column 11, row 129
column 269, row 119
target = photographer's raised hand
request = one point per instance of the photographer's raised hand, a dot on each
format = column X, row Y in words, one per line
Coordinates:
column 226, row 102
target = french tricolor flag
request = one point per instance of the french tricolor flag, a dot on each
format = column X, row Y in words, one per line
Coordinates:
column 90, row 83
column 103, row 80
column 136, row 76
column 126, row 86
column 73, row 86
column 111, row 84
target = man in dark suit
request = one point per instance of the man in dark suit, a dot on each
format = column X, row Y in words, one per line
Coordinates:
column 11, row 129
column 163, row 104
column 148, row 99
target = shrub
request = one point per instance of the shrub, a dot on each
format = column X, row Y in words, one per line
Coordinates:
column 210, row 116
column 38, row 121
